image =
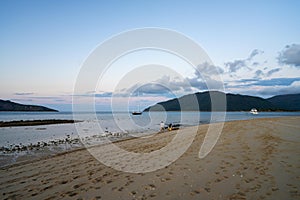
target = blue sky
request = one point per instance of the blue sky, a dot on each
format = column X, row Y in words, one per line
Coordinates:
column 44, row 43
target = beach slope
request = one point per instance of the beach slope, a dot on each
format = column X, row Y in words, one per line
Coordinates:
column 253, row 159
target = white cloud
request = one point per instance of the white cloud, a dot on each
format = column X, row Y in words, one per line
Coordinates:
column 234, row 66
column 290, row 55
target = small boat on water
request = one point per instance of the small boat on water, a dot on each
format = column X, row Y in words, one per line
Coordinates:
column 136, row 113
column 253, row 111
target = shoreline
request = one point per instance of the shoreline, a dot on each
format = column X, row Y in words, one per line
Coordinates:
column 41, row 150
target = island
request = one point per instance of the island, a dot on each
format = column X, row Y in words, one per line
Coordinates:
column 7, row 105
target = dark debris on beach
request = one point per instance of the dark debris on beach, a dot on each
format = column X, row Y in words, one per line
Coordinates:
column 12, row 148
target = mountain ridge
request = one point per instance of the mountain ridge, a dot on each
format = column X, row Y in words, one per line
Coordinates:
column 234, row 102
column 281, row 101
column 7, row 105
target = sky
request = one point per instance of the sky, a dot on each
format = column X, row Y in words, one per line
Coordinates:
column 255, row 46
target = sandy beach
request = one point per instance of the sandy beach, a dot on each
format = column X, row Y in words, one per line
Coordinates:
column 253, row 159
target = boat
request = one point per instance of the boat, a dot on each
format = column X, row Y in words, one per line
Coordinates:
column 136, row 113
column 253, row 111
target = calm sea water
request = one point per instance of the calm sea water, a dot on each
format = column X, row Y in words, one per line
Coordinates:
column 104, row 124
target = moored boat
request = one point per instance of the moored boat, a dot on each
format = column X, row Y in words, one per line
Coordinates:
column 136, row 113
column 254, row 111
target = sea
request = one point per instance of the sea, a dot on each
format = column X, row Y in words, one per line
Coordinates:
column 116, row 125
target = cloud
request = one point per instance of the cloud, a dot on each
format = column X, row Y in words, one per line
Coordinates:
column 259, row 73
column 204, row 78
column 45, row 97
column 164, row 86
column 153, row 88
column 247, row 80
column 245, row 83
column 290, row 55
column 207, row 84
column 103, row 94
column 272, row 71
column 207, row 69
column 293, row 88
column 93, row 94
column 254, row 53
column 268, row 87
column 234, row 66
column 43, row 100
column 23, row 93
column 276, row 82
column 21, row 100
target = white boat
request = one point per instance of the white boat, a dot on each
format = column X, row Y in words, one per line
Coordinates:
column 253, row 111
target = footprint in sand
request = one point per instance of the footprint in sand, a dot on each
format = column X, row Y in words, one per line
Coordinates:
column 150, row 187
column 128, row 182
column 248, row 180
column 218, row 180
column 71, row 193
column 97, row 180
column 78, row 186
column 197, row 191
column 152, row 195
column 48, row 187
column 63, row 182
column 165, row 179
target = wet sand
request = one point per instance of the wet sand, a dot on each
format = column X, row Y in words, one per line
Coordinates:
column 254, row 159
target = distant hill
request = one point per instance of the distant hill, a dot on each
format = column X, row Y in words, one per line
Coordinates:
column 12, row 106
column 289, row 102
column 235, row 102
